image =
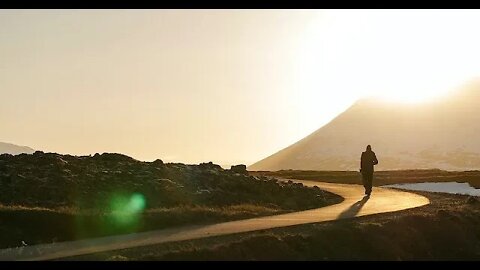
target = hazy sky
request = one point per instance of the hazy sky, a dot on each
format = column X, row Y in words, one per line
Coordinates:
column 228, row 86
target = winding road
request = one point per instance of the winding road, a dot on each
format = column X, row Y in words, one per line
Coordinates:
column 354, row 205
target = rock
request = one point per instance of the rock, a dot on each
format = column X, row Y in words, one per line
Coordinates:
column 158, row 162
column 114, row 157
column 239, row 168
column 210, row 165
column 5, row 155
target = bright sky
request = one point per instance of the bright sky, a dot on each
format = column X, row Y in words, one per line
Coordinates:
column 228, row 86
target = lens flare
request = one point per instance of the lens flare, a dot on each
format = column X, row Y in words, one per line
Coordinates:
column 137, row 203
column 126, row 210
column 122, row 214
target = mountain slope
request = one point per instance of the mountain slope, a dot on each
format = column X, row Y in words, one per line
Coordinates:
column 439, row 134
column 8, row 148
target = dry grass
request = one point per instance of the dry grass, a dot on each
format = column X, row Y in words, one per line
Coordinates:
column 36, row 225
column 231, row 210
column 380, row 177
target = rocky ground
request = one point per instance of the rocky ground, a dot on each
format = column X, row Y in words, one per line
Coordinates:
column 48, row 197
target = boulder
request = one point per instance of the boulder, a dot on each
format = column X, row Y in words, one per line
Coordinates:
column 210, row 165
column 158, row 162
column 239, row 168
column 114, row 157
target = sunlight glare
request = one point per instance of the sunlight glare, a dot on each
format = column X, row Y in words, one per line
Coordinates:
column 394, row 55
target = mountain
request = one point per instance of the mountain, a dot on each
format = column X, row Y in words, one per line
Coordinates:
column 442, row 134
column 8, row 148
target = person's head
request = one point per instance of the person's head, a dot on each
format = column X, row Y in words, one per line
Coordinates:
column 369, row 148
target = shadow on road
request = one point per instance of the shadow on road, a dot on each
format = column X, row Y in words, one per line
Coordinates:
column 353, row 210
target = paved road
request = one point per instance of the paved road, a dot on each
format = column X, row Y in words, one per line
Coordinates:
column 355, row 205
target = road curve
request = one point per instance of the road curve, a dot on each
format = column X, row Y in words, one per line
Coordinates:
column 355, row 205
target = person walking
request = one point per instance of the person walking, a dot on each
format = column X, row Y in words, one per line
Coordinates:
column 367, row 161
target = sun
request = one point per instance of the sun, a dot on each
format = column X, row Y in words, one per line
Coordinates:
column 393, row 55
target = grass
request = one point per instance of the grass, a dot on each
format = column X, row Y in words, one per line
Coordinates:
column 41, row 225
column 446, row 229
column 380, row 177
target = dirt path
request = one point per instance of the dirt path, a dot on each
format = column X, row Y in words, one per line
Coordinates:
column 382, row 200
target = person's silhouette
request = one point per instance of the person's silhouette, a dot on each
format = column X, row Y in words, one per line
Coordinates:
column 367, row 161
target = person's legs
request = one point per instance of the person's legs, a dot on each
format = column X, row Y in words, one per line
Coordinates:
column 365, row 182
column 368, row 187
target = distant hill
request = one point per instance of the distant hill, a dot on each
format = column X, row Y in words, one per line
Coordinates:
column 441, row 134
column 8, row 148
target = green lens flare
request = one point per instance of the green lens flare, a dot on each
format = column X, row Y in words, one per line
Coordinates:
column 121, row 213
column 126, row 210
column 137, row 203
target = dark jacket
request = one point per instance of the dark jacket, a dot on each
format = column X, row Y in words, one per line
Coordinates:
column 367, row 161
